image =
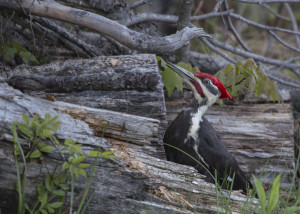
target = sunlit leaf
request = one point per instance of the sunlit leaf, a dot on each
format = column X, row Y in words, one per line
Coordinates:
column 35, row 154
column 48, row 148
column 274, row 195
column 261, row 195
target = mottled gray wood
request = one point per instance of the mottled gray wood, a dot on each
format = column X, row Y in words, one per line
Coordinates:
column 129, row 84
column 133, row 182
column 255, row 134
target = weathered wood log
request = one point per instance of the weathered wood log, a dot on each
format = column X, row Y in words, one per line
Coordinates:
column 133, row 182
column 130, row 84
column 260, row 136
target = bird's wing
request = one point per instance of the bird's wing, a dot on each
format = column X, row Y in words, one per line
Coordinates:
column 216, row 155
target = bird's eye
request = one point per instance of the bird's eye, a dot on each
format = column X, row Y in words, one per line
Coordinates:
column 206, row 81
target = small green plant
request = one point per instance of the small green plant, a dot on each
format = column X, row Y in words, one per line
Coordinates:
column 9, row 51
column 271, row 204
column 248, row 77
column 239, row 79
column 51, row 194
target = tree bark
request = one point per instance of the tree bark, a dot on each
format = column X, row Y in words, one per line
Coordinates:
column 130, row 84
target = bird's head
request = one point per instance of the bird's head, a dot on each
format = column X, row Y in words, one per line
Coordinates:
column 204, row 86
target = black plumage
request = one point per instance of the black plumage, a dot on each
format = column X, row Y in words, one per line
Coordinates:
column 191, row 140
column 213, row 153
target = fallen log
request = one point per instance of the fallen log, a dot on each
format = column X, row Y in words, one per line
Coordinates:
column 133, row 182
column 130, row 84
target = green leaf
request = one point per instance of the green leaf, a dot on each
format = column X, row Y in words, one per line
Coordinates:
column 290, row 210
column 64, row 186
column 43, row 211
column 63, row 177
column 274, row 195
column 84, row 165
column 65, row 166
column 79, row 159
column 108, row 155
column 8, row 51
column 49, row 183
column 27, row 56
column 69, row 141
column 40, row 189
column 50, row 209
column 46, row 133
column 56, row 205
column 27, row 208
column 171, row 81
column 77, row 172
column 252, row 84
column 25, row 129
column 82, row 172
column 48, row 148
column 25, row 118
column 261, row 195
column 143, row 212
column 94, row 153
column 59, row 192
column 34, row 121
column 72, row 170
column 14, row 132
column 43, row 199
column 170, row 78
column 35, row 154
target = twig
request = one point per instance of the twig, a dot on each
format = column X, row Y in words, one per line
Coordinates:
column 293, row 21
column 256, row 57
column 214, row 49
column 261, row 26
column 267, row 1
column 283, row 42
column 233, row 30
column 275, row 13
column 218, row 5
column 139, row 3
column 89, row 49
column 144, row 17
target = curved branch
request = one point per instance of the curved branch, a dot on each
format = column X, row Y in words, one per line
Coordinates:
column 293, row 21
column 257, row 57
column 112, row 29
column 234, row 31
column 267, row 1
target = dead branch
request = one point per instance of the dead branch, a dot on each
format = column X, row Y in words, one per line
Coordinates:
column 124, row 35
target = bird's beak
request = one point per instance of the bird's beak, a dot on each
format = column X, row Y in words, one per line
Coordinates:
column 182, row 72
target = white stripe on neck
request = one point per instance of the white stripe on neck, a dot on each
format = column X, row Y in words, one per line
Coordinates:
column 196, row 119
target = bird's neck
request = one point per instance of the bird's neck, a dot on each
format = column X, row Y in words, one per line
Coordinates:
column 196, row 118
column 200, row 107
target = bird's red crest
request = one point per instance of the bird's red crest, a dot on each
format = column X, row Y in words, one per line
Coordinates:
column 216, row 82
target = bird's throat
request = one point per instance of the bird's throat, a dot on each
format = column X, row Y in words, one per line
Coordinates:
column 196, row 119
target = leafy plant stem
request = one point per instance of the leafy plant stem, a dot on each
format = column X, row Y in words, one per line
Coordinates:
column 72, row 194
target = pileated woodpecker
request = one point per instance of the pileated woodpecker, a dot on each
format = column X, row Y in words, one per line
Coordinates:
column 191, row 133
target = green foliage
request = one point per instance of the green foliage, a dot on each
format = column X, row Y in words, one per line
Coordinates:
column 38, row 133
column 9, row 51
column 238, row 79
column 170, row 78
column 271, row 204
column 248, row 77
